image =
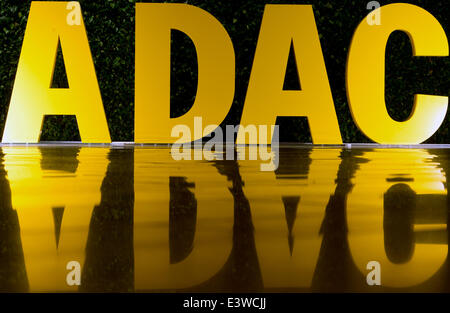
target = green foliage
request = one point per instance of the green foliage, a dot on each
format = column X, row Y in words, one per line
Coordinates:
column 111, row 25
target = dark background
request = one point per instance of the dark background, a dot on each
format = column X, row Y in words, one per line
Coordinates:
column 110, row 27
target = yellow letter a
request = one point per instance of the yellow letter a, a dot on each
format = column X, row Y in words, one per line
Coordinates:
column 32, row 98
column 266, row 99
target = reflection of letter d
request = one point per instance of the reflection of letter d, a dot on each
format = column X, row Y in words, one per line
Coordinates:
column 183, row 230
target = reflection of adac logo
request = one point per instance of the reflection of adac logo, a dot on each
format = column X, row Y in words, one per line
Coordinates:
column 282, row 25
column 317, row 222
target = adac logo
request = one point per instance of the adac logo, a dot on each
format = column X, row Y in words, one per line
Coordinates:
column 50, row 22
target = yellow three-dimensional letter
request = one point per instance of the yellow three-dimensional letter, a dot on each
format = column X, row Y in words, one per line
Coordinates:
column 32, row 98
column 266, row 99
column 215, row 55
column 365, row 75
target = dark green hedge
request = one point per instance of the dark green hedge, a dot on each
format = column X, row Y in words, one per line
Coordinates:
column 110, row 28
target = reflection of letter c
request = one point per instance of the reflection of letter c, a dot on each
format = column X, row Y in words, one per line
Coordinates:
column 398, row 223
column 381, row 216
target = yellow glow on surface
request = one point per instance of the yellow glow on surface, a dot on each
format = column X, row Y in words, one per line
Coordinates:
column 213, row 231
column 136, row 219
column 35, row 190
column 417, row 169
column 266, row 191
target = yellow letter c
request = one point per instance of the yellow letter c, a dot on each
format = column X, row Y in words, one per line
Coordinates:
column 366, row 74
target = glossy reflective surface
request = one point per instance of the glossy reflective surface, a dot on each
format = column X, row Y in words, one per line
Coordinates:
column 137, row 220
